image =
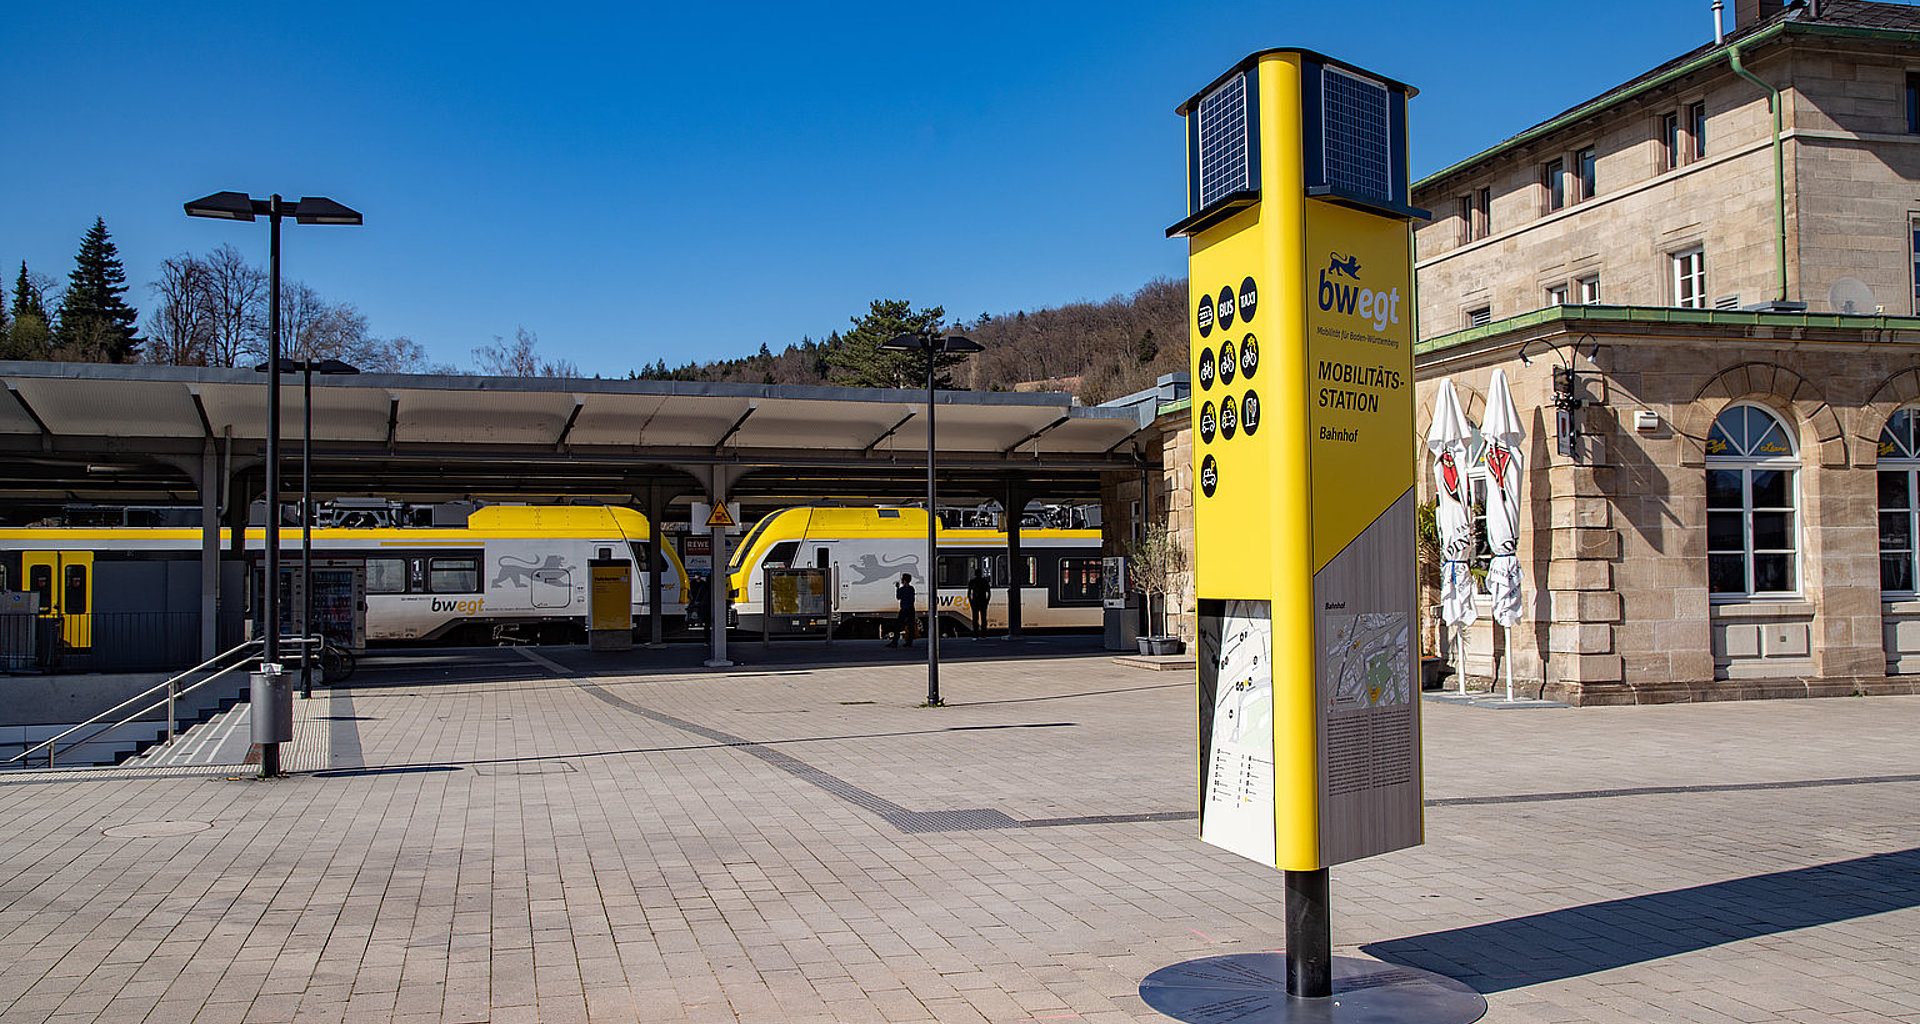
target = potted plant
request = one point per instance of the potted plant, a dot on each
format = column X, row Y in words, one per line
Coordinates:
column 1154, row 564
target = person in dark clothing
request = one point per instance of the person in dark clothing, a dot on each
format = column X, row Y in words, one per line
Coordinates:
column 903, row 626
column 697, row 597
column 979, row 592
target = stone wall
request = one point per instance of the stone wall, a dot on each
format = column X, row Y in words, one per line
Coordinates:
column 1615, row 543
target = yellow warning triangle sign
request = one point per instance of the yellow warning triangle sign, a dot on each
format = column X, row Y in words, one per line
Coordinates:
column 719, row 516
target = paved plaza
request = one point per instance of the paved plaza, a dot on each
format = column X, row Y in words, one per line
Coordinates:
column 559, row 836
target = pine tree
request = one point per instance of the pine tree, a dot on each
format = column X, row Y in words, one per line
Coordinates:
column 860, row 361
column 95, row 322
column 27, row 337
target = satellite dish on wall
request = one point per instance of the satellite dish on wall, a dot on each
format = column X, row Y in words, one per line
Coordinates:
column 1851, row 295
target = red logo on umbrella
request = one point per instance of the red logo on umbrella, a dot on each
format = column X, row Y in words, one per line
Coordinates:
column 1450, row 474
column 1498, row 459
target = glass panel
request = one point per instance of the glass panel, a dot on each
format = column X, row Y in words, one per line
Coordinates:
column 386, row 575
column 1079, row 579
column 1723, row 488
column 1724, row 532
column 955, row 570
column 1896, row 572
column 1727, row 574
column 780, row 555
column 1893, row 489
column 1729, row 434
column 1896, row 531
column 75, row 601
column 1773, row 531
column 1771, row 441
column 454, row 576
column 1896, row 441
column 1772, row 574
column 1772, row 488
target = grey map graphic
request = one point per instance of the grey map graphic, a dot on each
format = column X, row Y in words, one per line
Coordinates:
column 1367, row 660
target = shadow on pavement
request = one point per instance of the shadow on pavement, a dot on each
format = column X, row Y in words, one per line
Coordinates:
column 1560, row 944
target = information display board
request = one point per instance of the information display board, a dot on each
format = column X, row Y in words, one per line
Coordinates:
column 1301, row 336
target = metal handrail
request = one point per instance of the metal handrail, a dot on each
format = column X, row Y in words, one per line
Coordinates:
column 172, row 695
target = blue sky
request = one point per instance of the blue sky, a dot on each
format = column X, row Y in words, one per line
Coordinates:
column 636, row 182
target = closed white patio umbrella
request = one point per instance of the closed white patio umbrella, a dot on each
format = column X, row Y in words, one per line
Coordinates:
column 1449, row 440
column 1502, row 438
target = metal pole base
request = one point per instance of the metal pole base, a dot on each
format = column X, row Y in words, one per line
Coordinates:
column 1251, row 988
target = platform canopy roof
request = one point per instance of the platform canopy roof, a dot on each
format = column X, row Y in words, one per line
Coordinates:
column 88, row 432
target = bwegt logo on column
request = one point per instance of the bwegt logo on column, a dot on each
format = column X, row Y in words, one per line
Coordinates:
column 1351, row 298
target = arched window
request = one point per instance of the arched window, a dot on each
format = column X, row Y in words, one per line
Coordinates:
column 1752, row 505
column 1899, row 460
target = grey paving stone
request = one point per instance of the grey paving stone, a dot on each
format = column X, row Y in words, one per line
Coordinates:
column 742, row 846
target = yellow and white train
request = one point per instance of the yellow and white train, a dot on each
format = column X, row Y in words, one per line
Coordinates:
column 867, row 549
column 511, row 569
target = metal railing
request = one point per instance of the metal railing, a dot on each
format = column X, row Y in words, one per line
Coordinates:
column 98, row 641
column 241, row 656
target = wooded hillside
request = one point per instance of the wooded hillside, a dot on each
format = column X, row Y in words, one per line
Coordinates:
column 1096, row 350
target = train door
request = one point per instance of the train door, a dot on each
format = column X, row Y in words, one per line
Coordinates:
column 64, row 581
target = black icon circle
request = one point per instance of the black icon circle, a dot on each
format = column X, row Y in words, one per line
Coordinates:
column 1205, row 315
column 1228, row 362
column 1209, row 476
column 1229, row 420
column 1224, row 311
column 1249, row 356
column 1250, row 412
column 1249, row 300
column 1206, row 368
column 1208, row 423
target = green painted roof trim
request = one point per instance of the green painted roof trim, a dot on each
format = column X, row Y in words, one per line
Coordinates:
column 1666, row 315
column 1717, row 55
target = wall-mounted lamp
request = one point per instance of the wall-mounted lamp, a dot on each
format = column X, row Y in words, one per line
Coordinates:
column 1567, row 399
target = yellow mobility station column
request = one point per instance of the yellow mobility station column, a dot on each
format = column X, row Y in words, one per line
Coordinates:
column 1301, row 330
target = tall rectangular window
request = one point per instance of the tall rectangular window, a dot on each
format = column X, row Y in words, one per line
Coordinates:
column 1483, row 212
column 1589, row 289
column 1583, row 164
column 1913, row 225
column 1466, row 219
column 1690, row 279
column 1554, row 177
column 1697, row 125
column 1913, row 103
column 1670, row 141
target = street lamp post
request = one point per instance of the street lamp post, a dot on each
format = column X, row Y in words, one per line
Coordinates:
column 932, row 344
column 306, row 368
column 308, row 210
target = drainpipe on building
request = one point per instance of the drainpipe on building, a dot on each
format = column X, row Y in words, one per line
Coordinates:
column 1779, row 174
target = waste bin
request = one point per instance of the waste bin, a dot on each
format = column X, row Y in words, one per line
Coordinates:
column 272, row 695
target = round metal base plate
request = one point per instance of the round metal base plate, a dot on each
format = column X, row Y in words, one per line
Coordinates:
column 1251, row 988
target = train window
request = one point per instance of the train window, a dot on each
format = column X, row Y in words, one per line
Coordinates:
column 820, row 560
column 955, row 570
column 40, row 581
column 417, row 575
column 453, row 575
column 74, row 601
column 781, row 555
column 642, row 555
column 1028, row 578
column 386, row 575
column 1079, row 579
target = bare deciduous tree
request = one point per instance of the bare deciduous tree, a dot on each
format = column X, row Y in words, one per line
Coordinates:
column 180, row 328
column 520, row 358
